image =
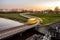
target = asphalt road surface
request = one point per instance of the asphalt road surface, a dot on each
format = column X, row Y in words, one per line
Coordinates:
column 7, row 23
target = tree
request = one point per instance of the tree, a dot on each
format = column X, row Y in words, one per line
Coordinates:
column 57, row 10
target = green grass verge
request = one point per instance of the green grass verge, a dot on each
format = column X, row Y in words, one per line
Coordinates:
column 14, row 16
column 47, row 18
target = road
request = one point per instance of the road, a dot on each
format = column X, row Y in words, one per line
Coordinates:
column 15, row 30
column 18, row 29
column 43, row 30
column 7, row 23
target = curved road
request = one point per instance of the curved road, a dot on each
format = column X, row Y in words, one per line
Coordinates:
column 12, row 31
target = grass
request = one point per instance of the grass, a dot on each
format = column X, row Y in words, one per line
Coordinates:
column 14, row 16
column 47, row 18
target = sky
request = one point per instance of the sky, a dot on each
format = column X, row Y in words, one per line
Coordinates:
column 29, row 4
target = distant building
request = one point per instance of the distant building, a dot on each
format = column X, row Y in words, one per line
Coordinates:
column 48, row 11
column 45, row 11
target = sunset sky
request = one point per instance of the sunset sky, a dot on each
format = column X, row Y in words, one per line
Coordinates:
column 29, row 4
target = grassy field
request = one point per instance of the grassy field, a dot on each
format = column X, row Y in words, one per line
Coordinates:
column 48, row 18
column 14, row 16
